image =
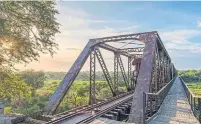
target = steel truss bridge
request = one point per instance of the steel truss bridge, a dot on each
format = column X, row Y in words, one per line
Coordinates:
column 154, row 94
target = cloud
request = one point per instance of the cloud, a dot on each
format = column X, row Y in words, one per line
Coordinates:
column 73, row 49
column 199, row 24
column 181, row 41
column 77, row 27
column 179, row 36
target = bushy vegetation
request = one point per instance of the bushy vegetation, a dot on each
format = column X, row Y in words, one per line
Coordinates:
column 190, row 75
column 195, row 87
column 28, row 91
column 27, row 30
column 43, row 84
column 192, row 79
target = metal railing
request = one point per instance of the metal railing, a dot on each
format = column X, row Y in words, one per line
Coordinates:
column 194, row 101
column 153, row 101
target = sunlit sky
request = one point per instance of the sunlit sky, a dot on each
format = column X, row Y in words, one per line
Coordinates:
column 178, row 24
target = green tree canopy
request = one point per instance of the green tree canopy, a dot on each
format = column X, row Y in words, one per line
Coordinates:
column 35, row 79
column 12, row 87
column 27, row 28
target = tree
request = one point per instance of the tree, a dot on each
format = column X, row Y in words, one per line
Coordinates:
column 35, row 79
column 27, row 28
column 12, row 88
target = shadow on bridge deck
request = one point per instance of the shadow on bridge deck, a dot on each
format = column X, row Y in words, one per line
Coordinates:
column 175, row 108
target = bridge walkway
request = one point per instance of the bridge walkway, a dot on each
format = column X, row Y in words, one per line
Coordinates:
column 175, row 108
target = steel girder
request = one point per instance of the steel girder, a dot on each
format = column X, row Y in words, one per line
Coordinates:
column 116, row 72
column 137, row 55
column 123, row 72
column 105, row 70
column 64, row 86
column 113, row 49
column 144, row 79
column 162, row 69
column 129, row 74
column 138, row 49
column 92, row 90
column 157, row 69
column 153, row 87
column 137, row 36
column 119, row 51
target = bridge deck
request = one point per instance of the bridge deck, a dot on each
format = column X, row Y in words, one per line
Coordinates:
column 175, row 108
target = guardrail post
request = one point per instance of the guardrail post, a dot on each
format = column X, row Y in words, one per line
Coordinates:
column 157, row 102
column 190, row 100
column 144, row 107
column 199, row 108
column 151, row 104
column 194, row 104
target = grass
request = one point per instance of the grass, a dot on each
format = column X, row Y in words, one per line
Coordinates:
column 195, row 87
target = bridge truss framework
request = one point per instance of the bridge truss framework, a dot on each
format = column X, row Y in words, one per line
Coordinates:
column 156, row 69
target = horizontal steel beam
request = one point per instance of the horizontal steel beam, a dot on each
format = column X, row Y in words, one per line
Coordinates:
column 137, row 36
column 113, row 49
column 163, row 47
column 138, row 49
column 137, row 55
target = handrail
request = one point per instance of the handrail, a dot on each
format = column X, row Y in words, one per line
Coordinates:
column 189, row 89
column 153, row 101
column 161, row 88
column 194, row 101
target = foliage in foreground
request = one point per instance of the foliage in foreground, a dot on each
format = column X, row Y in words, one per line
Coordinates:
column 12, row 88
column 78, row 94
column 27, row 29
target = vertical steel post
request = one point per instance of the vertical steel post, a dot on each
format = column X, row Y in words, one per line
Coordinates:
column 163, row 67
column 199, row 108
column 143, row 80
column 66, row 83
column 129, row 73
column 92, row 96
column 116, row 77
column 105, row 70
column 123, row 72
column 172, row 70
column 144, row 107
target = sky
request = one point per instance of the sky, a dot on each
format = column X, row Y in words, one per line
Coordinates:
column 178, row 25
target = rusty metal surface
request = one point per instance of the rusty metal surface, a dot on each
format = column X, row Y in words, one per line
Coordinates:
column 105, row 70
column 138, row 49
column 136, row 36
column 60, row 92
column 116, row 72
column 123, row 72
column 113, row 49
column 144, row 79
column 153, row 71
column 92, row 89
column 148, row 72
